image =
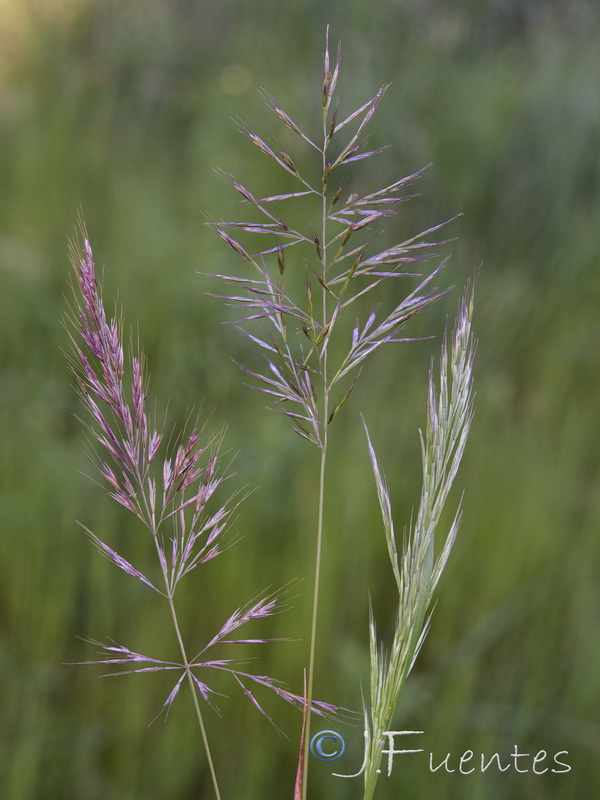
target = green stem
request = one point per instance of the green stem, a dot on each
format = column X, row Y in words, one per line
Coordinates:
column 325, row 425
column 194, row 691
column 315, row 611
column 169, row 596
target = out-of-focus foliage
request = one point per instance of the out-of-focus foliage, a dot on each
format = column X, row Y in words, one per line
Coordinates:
column 123, row 109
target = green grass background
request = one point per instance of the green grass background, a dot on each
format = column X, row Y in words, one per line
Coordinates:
column 124, row 109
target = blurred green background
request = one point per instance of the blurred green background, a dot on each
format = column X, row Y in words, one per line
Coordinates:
column 123, row 109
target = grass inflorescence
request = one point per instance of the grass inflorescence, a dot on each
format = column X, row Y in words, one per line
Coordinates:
column 171, row 496
column 303, row 305
column 304, row 374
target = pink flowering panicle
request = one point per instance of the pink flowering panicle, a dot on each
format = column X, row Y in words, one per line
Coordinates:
column 172, row 496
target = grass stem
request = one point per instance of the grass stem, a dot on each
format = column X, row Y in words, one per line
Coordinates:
column 325, row 425
column 193, row 689
column 315, row 611
column 186, row 663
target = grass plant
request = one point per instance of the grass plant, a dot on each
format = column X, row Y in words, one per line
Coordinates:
column 308, row 379
column 119, row 108
column 417, row 570
column 176, row 497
